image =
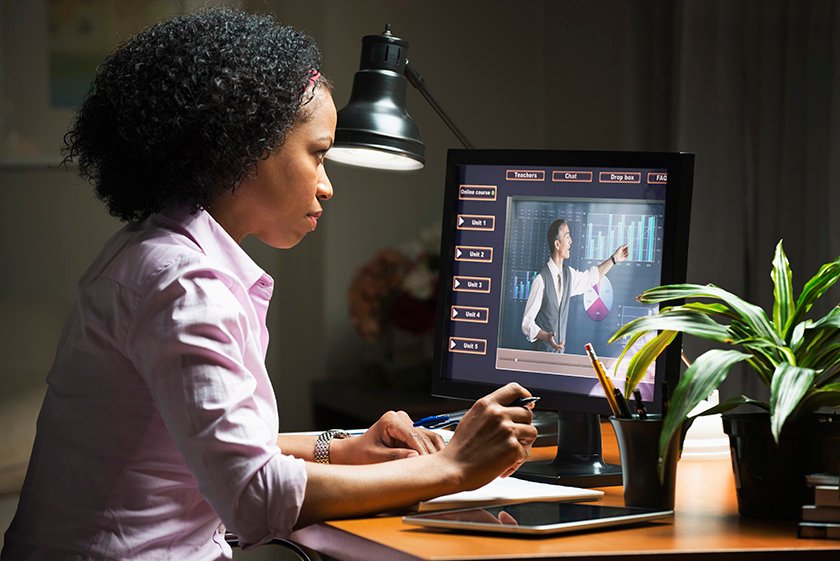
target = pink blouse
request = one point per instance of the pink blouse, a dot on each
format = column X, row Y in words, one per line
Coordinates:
column 160, row 423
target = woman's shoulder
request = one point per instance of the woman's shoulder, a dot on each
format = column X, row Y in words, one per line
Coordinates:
column 152, row 252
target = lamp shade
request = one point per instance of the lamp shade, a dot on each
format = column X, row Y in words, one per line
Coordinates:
column 374, row 129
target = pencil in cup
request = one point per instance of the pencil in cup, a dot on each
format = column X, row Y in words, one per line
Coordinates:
column 606, row 383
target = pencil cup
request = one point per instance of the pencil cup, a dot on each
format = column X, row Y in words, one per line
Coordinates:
column 638, row 448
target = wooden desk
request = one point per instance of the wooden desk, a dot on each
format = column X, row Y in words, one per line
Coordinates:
column 706, row 524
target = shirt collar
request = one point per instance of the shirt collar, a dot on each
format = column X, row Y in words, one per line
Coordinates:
column 552, row 266
column 217, row 244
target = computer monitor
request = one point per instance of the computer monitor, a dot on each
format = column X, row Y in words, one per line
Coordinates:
column 499, row 206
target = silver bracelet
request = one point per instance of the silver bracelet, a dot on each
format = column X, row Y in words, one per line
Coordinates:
column 322, row 444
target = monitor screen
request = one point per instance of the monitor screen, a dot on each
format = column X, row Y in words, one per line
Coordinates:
column 545, row 251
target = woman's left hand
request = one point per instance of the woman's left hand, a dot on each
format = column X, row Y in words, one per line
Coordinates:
column 392, row 437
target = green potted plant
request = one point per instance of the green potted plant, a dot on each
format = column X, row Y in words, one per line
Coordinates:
column 796, row 358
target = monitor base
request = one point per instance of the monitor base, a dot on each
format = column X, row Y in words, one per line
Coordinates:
column 594, row 474
column 579, row 461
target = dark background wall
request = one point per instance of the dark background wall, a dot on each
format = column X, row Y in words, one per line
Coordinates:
column 748, row 86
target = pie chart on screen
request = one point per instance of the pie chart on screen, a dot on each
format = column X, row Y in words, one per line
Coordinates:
column 598, row 299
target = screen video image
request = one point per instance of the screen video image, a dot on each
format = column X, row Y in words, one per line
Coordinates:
column 532, row 279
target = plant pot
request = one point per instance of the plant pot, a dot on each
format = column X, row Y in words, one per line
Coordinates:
column 770, row 477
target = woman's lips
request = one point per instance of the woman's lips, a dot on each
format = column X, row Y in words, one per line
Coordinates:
column 313, row 218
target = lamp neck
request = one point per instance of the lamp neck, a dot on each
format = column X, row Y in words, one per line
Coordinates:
column 416, row 80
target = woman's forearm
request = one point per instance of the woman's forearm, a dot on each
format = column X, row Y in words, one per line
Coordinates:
column 298, row 445
column 340, row 491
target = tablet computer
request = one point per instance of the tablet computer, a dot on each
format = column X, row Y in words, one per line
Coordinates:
column 536, row 518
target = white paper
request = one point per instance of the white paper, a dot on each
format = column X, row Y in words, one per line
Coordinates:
column 509, row 490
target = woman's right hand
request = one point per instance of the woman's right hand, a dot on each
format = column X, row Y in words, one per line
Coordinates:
column 492, row 439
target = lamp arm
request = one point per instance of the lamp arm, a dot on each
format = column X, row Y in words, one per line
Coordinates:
column 419, row 84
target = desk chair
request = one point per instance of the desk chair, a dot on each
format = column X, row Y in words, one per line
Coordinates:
column 233, row 540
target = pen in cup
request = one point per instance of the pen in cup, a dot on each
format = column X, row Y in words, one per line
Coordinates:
column 666, row 397
column 641, row 410
column 623, row 408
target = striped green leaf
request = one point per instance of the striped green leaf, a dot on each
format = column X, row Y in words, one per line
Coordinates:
column 711, row 308
column 627, row 348
column 822, row 358
column 783, row 305
column 642, row 360
column 676, row 319
column 766, row 353
column 804, row 332
column 830, row 374
column 763, row 368
column 818, row 345
column 695, row 385
column 814, row 288
column 831, row 319
column 826, row 396
column 789, row 386
column 750, row 314
column 732, row 403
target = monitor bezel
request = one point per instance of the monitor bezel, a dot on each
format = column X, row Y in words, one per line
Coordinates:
column 680, row 169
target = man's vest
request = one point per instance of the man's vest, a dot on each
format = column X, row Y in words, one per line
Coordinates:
column 553, row 315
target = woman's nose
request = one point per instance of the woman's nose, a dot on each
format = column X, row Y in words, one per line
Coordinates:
column 325, row 188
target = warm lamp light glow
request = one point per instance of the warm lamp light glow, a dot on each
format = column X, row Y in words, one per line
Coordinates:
column 371, row 158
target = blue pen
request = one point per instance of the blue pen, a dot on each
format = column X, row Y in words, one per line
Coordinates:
column 449, row 423
column 441, row 421
column 431, row 421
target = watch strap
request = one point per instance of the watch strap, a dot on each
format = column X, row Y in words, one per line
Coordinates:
column 322, row 444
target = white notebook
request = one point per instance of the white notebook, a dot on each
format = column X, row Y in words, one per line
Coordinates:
column 510, row 490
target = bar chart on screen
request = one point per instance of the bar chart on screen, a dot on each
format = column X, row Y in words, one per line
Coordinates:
column 606, row 232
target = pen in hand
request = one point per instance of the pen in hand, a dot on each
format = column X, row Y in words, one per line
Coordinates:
column 431, row 421
column 524, row 401
column 445, row 420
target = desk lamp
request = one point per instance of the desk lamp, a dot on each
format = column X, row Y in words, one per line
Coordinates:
column 374, row 130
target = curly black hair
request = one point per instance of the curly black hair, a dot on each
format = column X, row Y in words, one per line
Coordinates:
column 183, row 111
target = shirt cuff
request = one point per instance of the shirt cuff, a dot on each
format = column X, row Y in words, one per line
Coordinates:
column 270, row 505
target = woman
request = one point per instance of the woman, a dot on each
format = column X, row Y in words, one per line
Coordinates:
column 158, row 430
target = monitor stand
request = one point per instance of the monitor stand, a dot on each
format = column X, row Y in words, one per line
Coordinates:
column 579, row 462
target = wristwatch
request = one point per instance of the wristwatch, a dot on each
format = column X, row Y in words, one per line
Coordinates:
column 322, row 444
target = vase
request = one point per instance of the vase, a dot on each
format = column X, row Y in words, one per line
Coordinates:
column 403, row 361
column 770, row 477
column 638, row 448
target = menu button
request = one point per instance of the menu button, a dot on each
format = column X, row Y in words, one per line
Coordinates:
column 468, row 346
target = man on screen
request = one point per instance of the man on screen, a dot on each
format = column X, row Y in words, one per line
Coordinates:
column 547, row 311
